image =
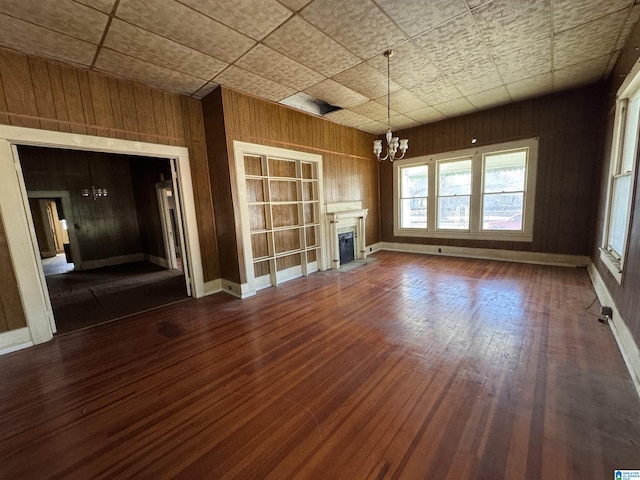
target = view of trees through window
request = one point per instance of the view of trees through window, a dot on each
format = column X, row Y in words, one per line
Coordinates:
column 413, row 206
column 504, row 183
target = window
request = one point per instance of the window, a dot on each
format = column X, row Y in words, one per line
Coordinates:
column 621, row 175
column 481, row 193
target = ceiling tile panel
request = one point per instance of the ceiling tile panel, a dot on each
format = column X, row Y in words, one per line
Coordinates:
column 402, row 121
column 417, row 16
column 357, row 26
column 30, row 38
column 346, row 117
column 255, row 18
column 333, row 93
column 183, row 25
column 489, row 98
column 628, row 26
column 63, row 16
column 477, row 77
column 529, row 61
column 294, row 5
column 531, row 87
column 303, row 42
column 103, row 5
column 569, row 13
column 366, row 80
column 152, row 48
column 129, row 67
column 377, row 128
column 612, row 63
column 435, row 91
column 245, row 81
column 456, row 107
column 205, row 90
column 587, row 41
column 265, row 61
column 425, row 115
column 507, row 25
column 580, row 73
column 402, row 101
column 409, row 66
column 373, row 110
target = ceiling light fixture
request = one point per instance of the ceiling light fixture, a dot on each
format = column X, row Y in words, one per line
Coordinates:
column 393, row 143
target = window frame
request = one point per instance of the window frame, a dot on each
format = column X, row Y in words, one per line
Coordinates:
column 628, row 91
column 475, row 230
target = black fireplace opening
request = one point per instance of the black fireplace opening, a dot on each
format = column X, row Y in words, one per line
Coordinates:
column 347, row 250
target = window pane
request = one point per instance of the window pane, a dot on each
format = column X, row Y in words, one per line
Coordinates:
column 630, row 136
column 619, row 213
column 502, row 211
column 414, row 181
column 505, row 172
column 413, row 213
column 454, row 178
column 453, row 213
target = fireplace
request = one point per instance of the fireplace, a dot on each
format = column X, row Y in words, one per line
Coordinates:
column 346, row 218
column 347, row 247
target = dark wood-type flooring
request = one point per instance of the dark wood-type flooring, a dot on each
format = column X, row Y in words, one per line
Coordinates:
column 409, row 367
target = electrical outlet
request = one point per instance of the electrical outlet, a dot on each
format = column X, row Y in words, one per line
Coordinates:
column 606, row 311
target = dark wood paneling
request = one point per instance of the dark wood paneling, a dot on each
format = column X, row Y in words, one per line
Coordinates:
column 626, row 295
column 350, row 170
column 45, row 94
column 303, row 382
column 11, row 312
column 569, row 129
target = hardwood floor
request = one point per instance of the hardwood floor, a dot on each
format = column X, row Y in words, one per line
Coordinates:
column 408, row 367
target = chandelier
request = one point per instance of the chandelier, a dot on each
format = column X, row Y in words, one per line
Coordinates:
column 393, row 143
column 94, row 192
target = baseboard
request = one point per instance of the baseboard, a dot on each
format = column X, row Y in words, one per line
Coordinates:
column 161, row 262
column 237, row 290
column 626, row 343
column 15, row 340
column 490, row 254
column 212, row 286
column 108, row 262
column 373, row 248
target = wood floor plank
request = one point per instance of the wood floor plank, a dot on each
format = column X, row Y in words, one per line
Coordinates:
column 409, row 367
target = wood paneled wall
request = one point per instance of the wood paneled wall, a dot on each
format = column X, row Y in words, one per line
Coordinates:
column 626, row 295
column 11, row 312
column 569, row 127
column 49, row 95
column 350, row 170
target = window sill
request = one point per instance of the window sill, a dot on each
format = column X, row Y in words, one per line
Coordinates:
column 493, row 236
column 612, row 263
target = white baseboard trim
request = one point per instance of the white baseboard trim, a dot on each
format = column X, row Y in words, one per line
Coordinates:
column 373, row 248
column 161, row 262
column 538, row 258
column 212, row 286
column 108, row 262
column 237, row 290
column 626, row 343
column 15, row 340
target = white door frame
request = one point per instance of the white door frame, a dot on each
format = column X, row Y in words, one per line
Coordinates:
column 167, row 225
column 21, row 240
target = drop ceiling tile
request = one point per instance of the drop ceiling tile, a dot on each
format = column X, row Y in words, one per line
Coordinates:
column 103, row 5
column 129, row 67
column 268, row 63
column 377, row 128
column 333, row 93
column 477, row 77
column 62, row 16
column 357, row 26
column 294, row 5
column 587, row 41
column 30, row 38
column 255, row 18
column 373, row 110
column 144, row 45
column 531, row 87
column 245, row 81
column 365, row 80
column 303, row 42
column 417, row 16
column 455, row 46
column 425, row 115
column 402, row 101
column 409, row 66
column 346, row 117
column 454, row 108
column 435, row 91
column 476, row 3
column 569, row 13
column 186, row 26
column 489, row 98
column 628, row 26
column 507, row 25
column 401, row 122
column 582, row 73
column 205, row 90
column 529, row 61
column 612, row 63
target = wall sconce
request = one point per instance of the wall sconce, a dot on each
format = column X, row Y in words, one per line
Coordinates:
column 94, row 192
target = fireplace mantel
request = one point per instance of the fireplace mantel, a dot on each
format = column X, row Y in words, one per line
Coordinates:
column 339, row 219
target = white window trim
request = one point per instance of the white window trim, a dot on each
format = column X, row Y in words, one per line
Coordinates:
column 475, row 231
column 628, row 90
